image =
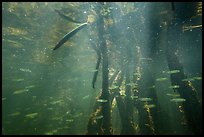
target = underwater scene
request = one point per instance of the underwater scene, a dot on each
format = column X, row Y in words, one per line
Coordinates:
column 101, row 68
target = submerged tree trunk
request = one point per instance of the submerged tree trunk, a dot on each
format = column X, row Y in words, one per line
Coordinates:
column 104, row 125
column 191, row 105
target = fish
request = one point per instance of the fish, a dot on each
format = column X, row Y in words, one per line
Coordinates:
column 114, row 87
column 171, row 71
column 14, row 114
column 77, row 115
column 130, row 84
column 25, row 70
column 174, row 86
column 102, row 100
column 99, row 117
column 20, row 91
column 85, row 97
column 152, row 87
column 173, row 95
column 3, row 99
column 134, row 97
column 178, row 100
column 161, row 79
column 149, row 106
column 69, row 35
column 57, row 102
column 122, row 94
column 31, row 115
column 18, row 80
column 145, row 99
column 188, row 79
column 50, row 109
column 66, row 17
column 197, row 78
column 70, row 120
column 31, row 86
column 147, row 59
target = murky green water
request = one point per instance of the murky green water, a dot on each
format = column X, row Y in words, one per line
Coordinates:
column 151, row 53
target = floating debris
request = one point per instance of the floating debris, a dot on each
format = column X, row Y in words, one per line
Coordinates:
column 161, row 79
column 25, row 70
column 149, row 106
column 14, row 114
column 85, row 97
column 18, row 80
column 145, row 99
column 171, row 71
column 31, row 115
column 173, row 95
column 20, row 91
column 174, row 86
column 102, row 100
column 178, row 100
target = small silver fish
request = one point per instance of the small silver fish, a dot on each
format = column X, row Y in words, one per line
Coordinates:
column 178, row 100
column 102, row 100
column 145, row 99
